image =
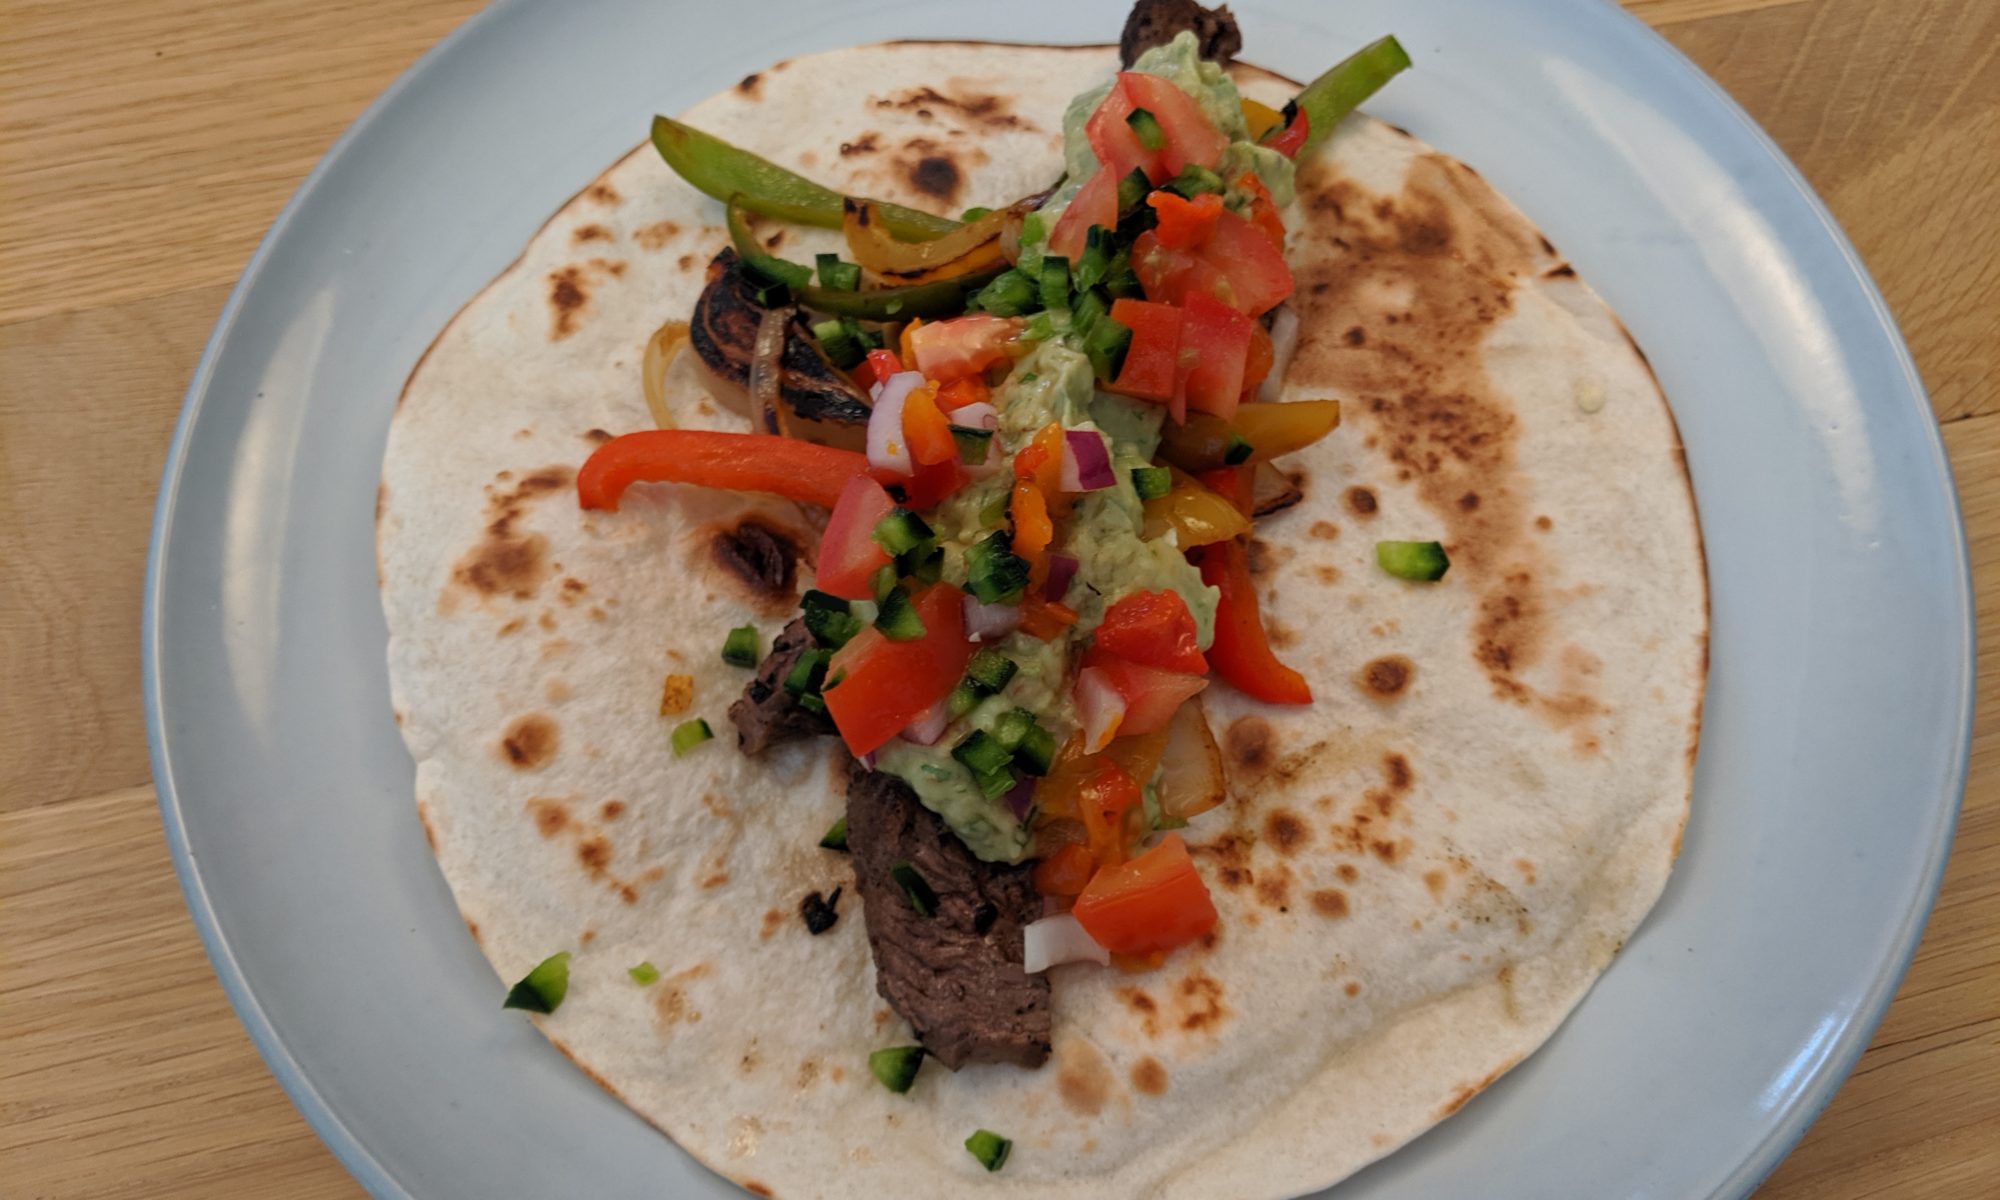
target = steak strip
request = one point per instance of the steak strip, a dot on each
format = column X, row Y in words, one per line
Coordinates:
column 1155, row 22
column 766, row 714
column 955, row 975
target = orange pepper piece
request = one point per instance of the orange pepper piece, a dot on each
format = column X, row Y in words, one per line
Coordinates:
column 926, row 429
column 909, row 352
column 1044, row 619
column 961, row 392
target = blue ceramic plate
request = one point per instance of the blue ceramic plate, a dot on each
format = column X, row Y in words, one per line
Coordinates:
column 1837, row 717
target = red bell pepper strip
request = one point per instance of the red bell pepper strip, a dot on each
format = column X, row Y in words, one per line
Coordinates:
column 1240, row 652
column 1234, row 484
column 1184, row 224
column 1290, row 140
column 876, row 687
column 743, row 462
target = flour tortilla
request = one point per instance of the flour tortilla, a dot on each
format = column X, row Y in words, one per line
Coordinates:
column 1418, row 876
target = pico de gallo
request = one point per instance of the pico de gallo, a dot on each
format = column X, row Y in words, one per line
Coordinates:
column 1035, row 554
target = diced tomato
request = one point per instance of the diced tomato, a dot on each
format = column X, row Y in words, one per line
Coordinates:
column 1151, row 365
column 1293, row 138
column 1190, row 136
column 1153, row 629
column 929, row 484
column 1258, row 278
column 1240, row 652
column 882, row 685
column 1066, row 872
column 1151, row 695
column 1234, row 484
column 926, row 429
column 1112, row 139
column 1263, row 210
column 951, row 350
column 1184, row 224
column 961, row 392
column 1170, row 276
column 1103, row 801
column 743, row 462
column 1095, row 204
column 848, row 555
column 1215, row 344
column 1153, row 903
column 879, row 365
column 1258, row 364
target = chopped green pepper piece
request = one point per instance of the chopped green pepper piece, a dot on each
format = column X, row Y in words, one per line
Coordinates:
column 922, row 898
column 989, row 671
column 542, row 989
column 836, row 836
column 974, row 213
column 1040, row 327
column 1237, row 449
column 1085, row 311
column 722, row 170
column 1098, row 246
column 842, row 348
column 898, row 619
column 962, row 700
column 994, row 784
column 1152, row 482
column 645, row 974
column 973, row 444
column 989, row 1148
column 1119, row 278
column 1012, row 726
column 741, row 648
column 880, row 583
column 808, row 673
column 1146, row 128
column 994, row 511
column 1344, row 85
column 1132, row 190
column 812, row 703
column 1009, row 295
column 829, row 619
column 901, row 532
column 689, row 734
column 1037, row 751
column 836, row 274
column 896, row 1067
column 1421, row 562
column 766, row 292
column 994, row 573
column 1106, row 344
column 1055, row 281
column 982, row 753
column 1193, row 180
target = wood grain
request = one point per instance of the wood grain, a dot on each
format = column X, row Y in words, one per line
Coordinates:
column 144, row 149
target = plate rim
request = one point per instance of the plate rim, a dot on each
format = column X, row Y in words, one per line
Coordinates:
column 1809, row 1101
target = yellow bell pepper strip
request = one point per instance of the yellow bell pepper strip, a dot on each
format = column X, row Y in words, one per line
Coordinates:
column 1196, row 514
column 1203, row 444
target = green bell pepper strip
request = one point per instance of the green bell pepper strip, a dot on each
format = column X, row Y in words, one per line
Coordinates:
column 939, row 298
column 1346, row 84
column 722, row 170
column 752, row 252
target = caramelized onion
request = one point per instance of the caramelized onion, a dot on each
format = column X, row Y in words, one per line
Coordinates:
column 661, row 349
column 974, row 247
column 766, row 372
column 1191, row 775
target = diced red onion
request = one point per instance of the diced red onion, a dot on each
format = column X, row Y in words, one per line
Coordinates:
column 867, row 761
column 1021, row 797
column 1101, row 707
column 887, row 447
column 928, row 728
column 990, row 622
column 1062, row 569
column 1053, row 941
column 1086, row 463
column 977, row 415
column 1284, row 343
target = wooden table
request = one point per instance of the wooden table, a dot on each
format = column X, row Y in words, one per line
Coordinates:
column 145, row 147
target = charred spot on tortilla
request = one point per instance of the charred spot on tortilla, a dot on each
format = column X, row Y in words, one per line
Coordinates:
column 590, row 233
column 1149, row 1078
column 1249, row 743
column 820, row 912
column 551, row 816
column 567, row 300
column 656, row 235
column 1231, row 855
column 867, row 143
column 1083, row 1077
column 762, row 557
column 1361, row 501
column 529, row 742
column 1274, row 888
column 985, row 109
column 1348, row 872
column 603, row 193
column 1330, row 902
column 1199, row 1002
column 1157, row 22
column 1386, row 678
column 596, row 437
column 936, row 175
column 1285, row 831
column 748, row 85
column 1560, row 271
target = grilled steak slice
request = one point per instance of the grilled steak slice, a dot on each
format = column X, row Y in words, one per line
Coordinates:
column 1155, row 22
column 765, row 714
column 954, row 975
column 820, row 403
